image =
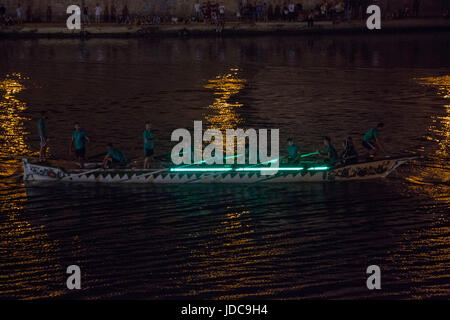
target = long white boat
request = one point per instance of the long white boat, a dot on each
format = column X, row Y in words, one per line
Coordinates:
column 306, row 172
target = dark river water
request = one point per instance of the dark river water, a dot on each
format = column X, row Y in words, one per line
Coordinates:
column 285, row 241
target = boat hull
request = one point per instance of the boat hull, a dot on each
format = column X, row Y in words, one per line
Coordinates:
column 361, row 171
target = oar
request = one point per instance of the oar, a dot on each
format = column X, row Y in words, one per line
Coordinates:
column 273, row 160
column 87, row 172
column 308, row 154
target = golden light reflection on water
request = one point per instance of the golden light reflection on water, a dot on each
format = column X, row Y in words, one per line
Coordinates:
column 427, row 249
column 436, row 170
column 31, row 266
column 223, row 113
column 11, row 118
column 232, row 252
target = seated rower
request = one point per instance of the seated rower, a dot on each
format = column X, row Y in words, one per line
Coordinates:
column 349, row 156
column 293, row 151
column 329, row 152
column 114, row 158
column 371, row 140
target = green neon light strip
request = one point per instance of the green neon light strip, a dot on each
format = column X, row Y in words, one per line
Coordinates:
column 247, row 169
column 200, row 169
column 270, row 169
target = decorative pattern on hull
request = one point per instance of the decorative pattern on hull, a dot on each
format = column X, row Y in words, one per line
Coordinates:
column 360, row 171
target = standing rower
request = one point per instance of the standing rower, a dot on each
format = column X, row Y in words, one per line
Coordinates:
column 43, row 137
column 114, row 158
column 148, row 145
column 371, row 140
column 79, row 139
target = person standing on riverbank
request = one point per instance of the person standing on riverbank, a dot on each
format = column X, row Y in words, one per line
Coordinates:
column 86, row 14
column 28, row 15
column 197, row 10
column 98, row 12
column 113, row 13
column 221, row 20
column 2, row 14
column 416, row 8
column 291, row 14
column 106, row 14
column 125, row 15
column 259, row 12
column 310, row 19
column 19, row 14
column 49, row 14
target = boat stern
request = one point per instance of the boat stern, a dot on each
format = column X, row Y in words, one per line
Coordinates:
column 38, row 172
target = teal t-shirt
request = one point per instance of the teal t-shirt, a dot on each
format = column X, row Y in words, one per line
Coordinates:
column 292, row 150
column 370, row 135
column 148, row 135
column 42, row 122
column 117, row 155
column 79, row 139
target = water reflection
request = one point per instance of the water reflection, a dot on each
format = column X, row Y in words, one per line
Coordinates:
column 223, row 113
column 436, row 168
column 12, row 127
column 28, row 247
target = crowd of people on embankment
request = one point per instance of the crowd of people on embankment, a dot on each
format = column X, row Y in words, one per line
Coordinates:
column 212, row 12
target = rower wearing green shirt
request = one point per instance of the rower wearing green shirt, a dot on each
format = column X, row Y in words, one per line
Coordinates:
column 148, row 145
column 293, row 151
column 114, row 158
column 78, row 143
column 43, row 136
column 329, row 152
column 371, row 140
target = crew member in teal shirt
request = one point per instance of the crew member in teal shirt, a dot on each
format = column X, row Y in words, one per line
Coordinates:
column 43, row 136
column 330, row 153
column 371, row 140
column 293, row 151
column 147, row 135
column 114, row 157
column 78, row 143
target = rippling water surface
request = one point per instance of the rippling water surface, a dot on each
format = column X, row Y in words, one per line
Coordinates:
column 223, row 241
